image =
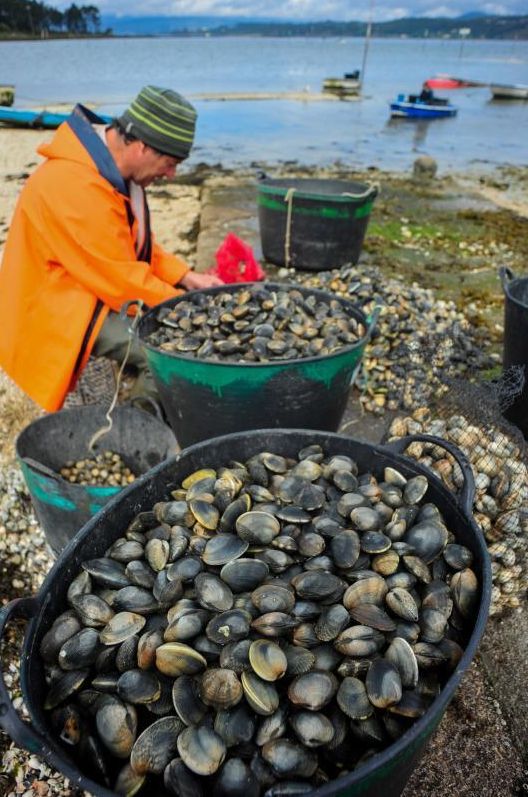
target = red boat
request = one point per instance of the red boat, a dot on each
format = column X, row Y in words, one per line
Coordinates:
column 448, row 82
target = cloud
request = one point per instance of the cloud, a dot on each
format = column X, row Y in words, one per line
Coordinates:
column 300, row 10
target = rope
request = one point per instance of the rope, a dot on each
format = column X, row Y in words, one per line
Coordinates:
column 370, row 188
column 287, row 240
column 109, row 421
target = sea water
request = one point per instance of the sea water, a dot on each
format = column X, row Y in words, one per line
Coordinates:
column 359, row 134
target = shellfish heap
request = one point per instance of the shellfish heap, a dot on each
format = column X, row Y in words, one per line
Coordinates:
column 418, row 340
column 265, row 631
column 501, row 500
column 256, row 325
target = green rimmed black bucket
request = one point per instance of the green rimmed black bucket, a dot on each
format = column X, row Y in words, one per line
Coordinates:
column 385, row 773
column 45, row 446
column 313, row 224
column 204, row 399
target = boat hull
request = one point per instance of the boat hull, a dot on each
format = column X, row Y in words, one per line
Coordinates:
column 13, row 117
column 415, row 110
column 451, row 83
column 341, row 86
column 509, row 92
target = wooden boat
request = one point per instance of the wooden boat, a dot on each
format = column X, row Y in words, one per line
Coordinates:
column 347, row 86
column 15, row 117
column 7, row 94
column 449, row 82
column 411, row 106
column 504, row 91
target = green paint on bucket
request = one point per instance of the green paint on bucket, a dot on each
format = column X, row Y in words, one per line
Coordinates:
column 46, row 490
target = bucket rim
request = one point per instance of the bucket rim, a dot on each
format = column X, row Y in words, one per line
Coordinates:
column 369, row 323
column 265, row 186
column 416, row 735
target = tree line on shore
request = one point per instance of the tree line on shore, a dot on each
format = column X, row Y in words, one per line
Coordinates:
column 33, row 18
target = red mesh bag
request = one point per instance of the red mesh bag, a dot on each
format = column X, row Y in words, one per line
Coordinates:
column 235, row 261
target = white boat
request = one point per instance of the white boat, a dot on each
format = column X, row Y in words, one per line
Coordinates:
column 504, row 91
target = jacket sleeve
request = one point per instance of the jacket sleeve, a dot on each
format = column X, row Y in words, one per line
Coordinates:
column 84, row 222
column 166, row 266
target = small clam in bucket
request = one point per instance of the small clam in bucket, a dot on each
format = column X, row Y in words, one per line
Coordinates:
column 383, row 773
column 44, row 446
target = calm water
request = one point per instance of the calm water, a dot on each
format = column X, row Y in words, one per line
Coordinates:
column 110, row 72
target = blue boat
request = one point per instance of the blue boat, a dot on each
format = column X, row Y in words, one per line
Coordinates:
column 15, row 117
column 421, row 106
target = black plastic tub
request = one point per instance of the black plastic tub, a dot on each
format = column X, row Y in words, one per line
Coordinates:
column 45, row 446
column 314, row 225
column 204, row 398
column 516, row 340
column 385, row 773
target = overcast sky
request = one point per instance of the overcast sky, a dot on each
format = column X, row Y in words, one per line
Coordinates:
column 303, row 10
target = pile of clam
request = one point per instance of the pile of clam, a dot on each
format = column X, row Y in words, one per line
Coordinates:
column 255, row 324
column 501, row 501
column 267, row 629
column 418, row 341
column 104, row 469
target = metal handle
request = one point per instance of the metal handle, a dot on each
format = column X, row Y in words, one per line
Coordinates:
column 506, row 275
column 467, row 492
column 125, row 307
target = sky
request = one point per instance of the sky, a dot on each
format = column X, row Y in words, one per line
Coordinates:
column 303, row 10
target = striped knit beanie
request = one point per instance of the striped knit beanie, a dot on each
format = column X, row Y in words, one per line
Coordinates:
column 163, row 119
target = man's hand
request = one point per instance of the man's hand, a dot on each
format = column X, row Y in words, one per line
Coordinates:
column 193, row 281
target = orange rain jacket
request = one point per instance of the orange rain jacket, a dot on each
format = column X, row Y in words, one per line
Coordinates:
column 71, row 255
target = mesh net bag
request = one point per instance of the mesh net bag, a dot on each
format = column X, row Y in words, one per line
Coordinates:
column 469, row 413
column 96, row 385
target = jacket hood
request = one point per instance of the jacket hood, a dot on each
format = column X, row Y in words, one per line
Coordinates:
column 77, row 141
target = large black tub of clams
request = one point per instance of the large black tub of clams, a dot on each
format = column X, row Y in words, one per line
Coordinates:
column 253, row 356
column 355, row 720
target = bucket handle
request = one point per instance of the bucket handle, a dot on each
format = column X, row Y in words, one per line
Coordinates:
column 125, row 307
column 467, row 492
column 372, row 320
column 506, row 276
column 21, row 732
column 44, row 470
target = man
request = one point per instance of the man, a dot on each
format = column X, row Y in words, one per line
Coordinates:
column 80, row 244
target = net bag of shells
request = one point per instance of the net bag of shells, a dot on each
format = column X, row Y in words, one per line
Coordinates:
column 470, row 415
column 270, row 613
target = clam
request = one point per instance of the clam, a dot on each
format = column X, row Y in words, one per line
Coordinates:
column 402, row 656
column 107, row 572
column 272, row 727
column 176, row 658
column 267, row 659
column 273, row 598
column 312, row 728
column 383, row 683
column 236, row 779
column 92, row 610
column 331, row 621
column 213, row 593
column 230, row 626
column 180, row 781
column 353, row 700
column 120, row 627
column 220, row 688
column 237, row 725
column 185, row 697
column 244, row 575
column 223, row 548
column 201, row 749
column 312, row 690
column 257, row 528
column 464, row 589
column 116, row 724
column 261, row 695
column 64, row 627
column 138, row 686
column 371, row 589
column 288, row 759
column 156, row 746
column 80, row 650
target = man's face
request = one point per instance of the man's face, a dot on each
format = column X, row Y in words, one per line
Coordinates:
column 149, row 164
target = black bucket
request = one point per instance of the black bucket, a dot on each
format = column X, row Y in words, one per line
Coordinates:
column 385, row 773
column 313, row 224
column 204, row 399
column 44, row 447
column 516, row 340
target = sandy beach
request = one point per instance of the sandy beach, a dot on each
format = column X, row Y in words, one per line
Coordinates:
column 449, row 234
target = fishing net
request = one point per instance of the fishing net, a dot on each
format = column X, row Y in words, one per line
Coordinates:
column 96, row 385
